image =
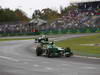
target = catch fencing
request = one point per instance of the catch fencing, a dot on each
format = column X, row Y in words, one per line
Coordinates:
column 52, row 31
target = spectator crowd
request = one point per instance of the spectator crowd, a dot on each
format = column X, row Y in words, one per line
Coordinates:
column 74, row 19
column 12, row 28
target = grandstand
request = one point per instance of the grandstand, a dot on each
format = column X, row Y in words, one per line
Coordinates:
column 85, row 16
column 92, row 6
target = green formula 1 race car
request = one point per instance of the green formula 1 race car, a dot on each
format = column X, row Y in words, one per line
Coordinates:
column 49, row 49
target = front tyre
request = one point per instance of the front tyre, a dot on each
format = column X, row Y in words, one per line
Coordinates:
column 48, row 54
column 67, row 55
column 38, row 51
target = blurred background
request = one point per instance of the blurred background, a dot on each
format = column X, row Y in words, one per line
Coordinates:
column 44, row 17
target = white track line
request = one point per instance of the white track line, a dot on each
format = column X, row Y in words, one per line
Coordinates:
column 48, row 68
column 86, row 57
column 36, row 65
column 88, row 67
column 9, row 58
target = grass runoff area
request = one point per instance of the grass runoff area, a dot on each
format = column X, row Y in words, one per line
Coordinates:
column 11, row 39
column 84, row 46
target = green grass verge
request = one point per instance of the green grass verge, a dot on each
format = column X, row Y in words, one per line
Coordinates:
column 11, row 39
column 85, row 50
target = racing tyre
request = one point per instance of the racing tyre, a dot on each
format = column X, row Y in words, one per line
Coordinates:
column 67, row 55
column 38, row 51
column 48, row 54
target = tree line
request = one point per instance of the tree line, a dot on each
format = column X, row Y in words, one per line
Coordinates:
column 8, row 15
column 50, row 14
column 46, row 14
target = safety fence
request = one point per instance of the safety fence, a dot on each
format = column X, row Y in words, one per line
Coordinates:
column 65, row 31
column 52, row 31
